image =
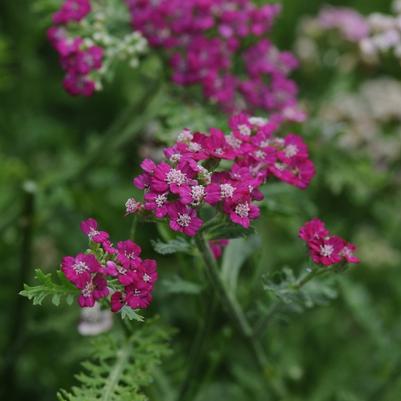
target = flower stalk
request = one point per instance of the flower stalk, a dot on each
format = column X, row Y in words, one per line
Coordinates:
column 230, row 304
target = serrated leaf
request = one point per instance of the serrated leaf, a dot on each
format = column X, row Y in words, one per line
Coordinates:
column 56, row 288
column 121, row 365
column 130, row 314
column 177, row 285
column 173, row 246
column 312, row 294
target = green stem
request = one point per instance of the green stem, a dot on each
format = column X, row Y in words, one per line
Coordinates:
column 198, row 349
column 122, row 130
column 261, row 326
column 117, row 371
column 305, row 279
column 133, row 228
column 230, row 304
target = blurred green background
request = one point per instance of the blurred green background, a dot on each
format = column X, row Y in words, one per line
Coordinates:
column 63, row 159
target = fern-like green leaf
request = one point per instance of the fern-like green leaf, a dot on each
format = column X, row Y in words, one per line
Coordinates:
column 315, row 293
column 121, row 366
column 56, row 286
column 130, row 314
column 172, row 246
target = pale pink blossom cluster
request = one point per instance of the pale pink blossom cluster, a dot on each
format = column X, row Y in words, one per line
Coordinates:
column 375, row 34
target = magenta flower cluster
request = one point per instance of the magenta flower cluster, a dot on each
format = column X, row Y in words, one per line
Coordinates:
column 223, row 171
column 105, row 270
column 77, row 58
column 205, row 40
column 326, row 249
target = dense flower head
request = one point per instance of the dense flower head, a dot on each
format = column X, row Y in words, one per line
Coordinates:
column 326, row 249
column 87, row 46
column 222, row 171
column 72, row 10
column 77, row 58
column 205, row 38
column 106, row 270
column 349, row 22
column 375, row 34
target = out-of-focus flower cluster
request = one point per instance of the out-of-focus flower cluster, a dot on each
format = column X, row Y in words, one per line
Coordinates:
column 88, row 43
column 375, row 34
column 223, row 171
column 324, row 248
column 104, row 270
column 208, row 41
column 360, row 117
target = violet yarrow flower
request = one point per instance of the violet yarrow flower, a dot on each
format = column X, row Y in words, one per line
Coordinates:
column 222, row 171
column 326, row 249
column 105, row 269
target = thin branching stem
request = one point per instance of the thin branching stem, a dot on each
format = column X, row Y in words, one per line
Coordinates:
column 230, row 304
column 198, row 349
column 262, row 324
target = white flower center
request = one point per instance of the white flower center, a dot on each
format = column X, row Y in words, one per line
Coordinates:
column 146, row 278
column 242, row 209
column 121, row 269
column 176, row 157
column 88, row 289
column 175, row 176
column 80, row 267
column 326, row 250
column 279, row 166
column 265, row 143
column 160, row 200
column 258, row 121
column 219, row 151
column 92, row 233
column 233, row 141
column 291, row 150
column 183, row 219
column 259, row 154
column 244, row 130
column 226, row 191
column 198, row 192
column 132, row 205
column 194, row 147
column 185, row 135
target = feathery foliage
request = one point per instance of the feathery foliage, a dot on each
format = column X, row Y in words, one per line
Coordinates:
column 121, row 366
column 51, row 285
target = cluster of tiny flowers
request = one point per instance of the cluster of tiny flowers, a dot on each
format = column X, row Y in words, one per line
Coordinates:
column 83, row 36
column 223, row 171
column 326, row 249
column 384, row 35
column 362, row 113
column 352, row 25
column 204, row 38
column 105, row 270
column 77, row 58
column 374, row 34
